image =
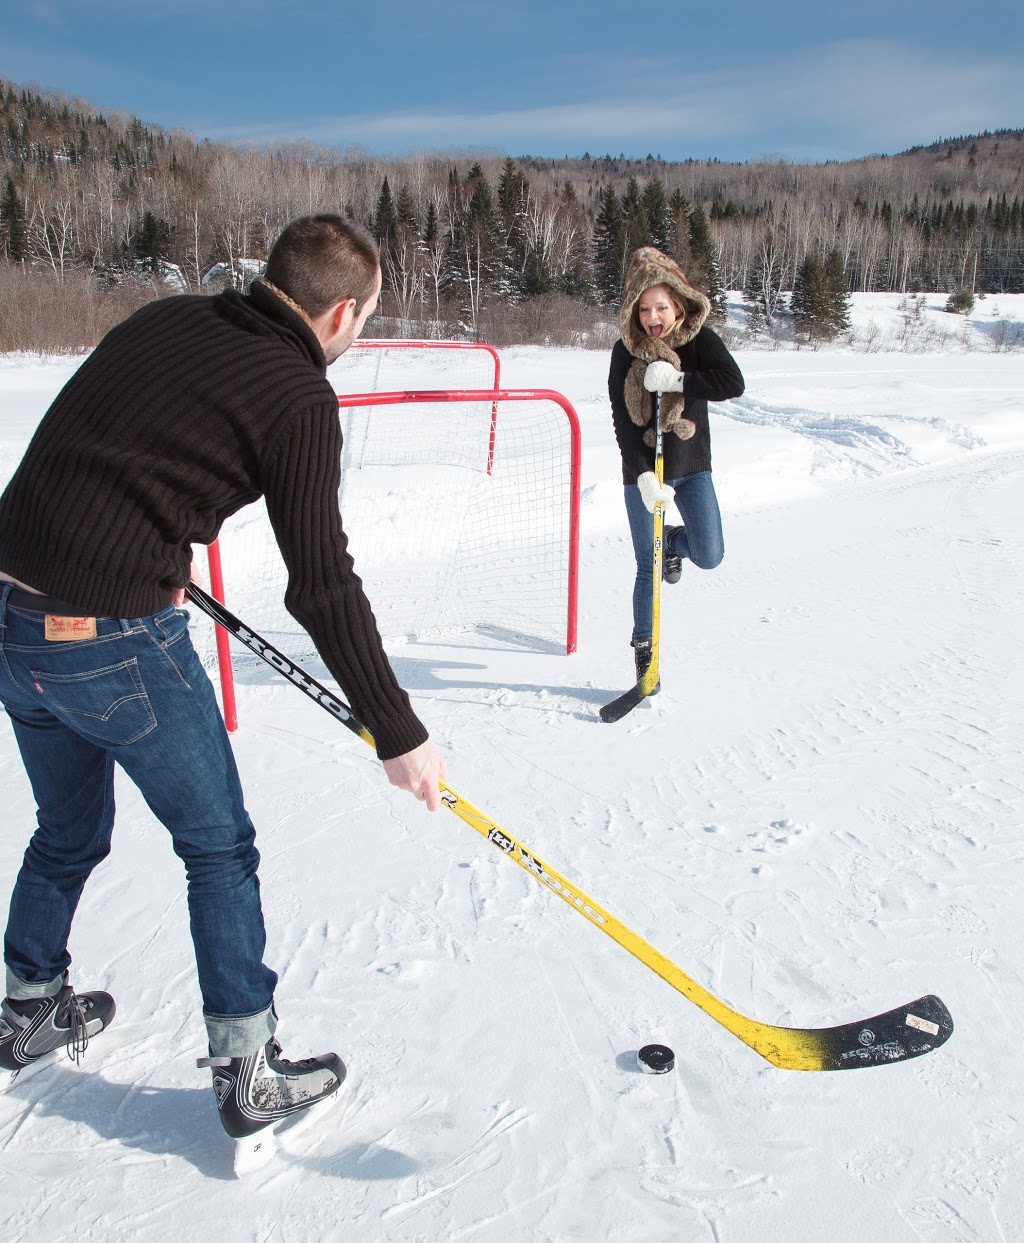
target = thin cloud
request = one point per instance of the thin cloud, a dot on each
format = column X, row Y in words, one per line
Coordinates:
column 845, row 99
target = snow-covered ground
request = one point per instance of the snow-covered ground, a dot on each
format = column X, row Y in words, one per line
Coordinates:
column 901, row 323
column 818, row 818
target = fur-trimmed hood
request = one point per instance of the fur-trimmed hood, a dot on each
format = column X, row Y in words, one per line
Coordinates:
column 647, row 268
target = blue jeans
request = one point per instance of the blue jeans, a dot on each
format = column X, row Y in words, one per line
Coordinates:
column 699, row 540
column 136, row 695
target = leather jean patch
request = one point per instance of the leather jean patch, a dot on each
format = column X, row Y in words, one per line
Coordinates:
column 69, row 629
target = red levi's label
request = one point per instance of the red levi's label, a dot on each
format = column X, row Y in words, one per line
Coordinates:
column 66, row 629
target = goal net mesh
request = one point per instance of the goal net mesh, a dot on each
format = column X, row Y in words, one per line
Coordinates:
column 458, row 515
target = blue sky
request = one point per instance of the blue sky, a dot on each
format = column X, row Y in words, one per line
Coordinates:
column 737, row 79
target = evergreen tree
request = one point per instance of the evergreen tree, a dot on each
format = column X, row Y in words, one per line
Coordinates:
column 477, row 252
column 483, row 224
column 385, row 219
column 153, row 241
column 454, row 189
column 634, row 215
column 679, row 229
column 655, row 207
column 609, row 247
column 810, row 302
column 704, row 260
column 405, row 212
column 432, row 229
column 838, row 285
column 821, row 296
column 13, row 236
column 537, row 276
column 526, row 271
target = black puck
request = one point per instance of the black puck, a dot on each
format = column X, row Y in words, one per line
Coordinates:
column 656, row 1059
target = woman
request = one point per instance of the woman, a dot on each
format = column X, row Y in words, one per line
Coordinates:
column 666, row 348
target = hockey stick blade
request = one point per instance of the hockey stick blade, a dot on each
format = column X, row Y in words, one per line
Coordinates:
column 618, row 708
column 906, row 1032
column 895, row 1036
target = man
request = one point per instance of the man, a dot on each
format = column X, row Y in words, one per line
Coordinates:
column 190, row 409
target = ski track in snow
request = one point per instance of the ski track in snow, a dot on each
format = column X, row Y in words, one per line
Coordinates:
column 818, row 818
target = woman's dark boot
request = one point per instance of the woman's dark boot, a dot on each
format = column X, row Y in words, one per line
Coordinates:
column 671, row 564
column 643, row 651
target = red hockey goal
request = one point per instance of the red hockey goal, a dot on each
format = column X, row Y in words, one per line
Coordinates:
column 462, row 508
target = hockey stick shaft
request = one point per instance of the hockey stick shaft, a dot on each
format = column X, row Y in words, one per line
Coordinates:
column 785, row 1047
column 653, row 675
column 625, row 703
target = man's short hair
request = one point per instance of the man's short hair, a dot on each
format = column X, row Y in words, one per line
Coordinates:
column 321, row 260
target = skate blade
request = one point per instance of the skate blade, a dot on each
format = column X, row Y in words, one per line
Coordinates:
column 256, row 1151
column 253, row 1152
column 7, row 1079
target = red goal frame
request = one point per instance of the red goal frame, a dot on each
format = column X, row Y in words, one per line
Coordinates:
column 494, row 396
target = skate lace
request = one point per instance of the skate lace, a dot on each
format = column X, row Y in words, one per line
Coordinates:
column 274, row 1050
column 78, row 1031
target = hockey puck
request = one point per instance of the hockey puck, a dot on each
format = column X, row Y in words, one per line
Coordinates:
column 655, row 1059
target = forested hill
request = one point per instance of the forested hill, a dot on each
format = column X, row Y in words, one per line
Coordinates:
column 84, row 191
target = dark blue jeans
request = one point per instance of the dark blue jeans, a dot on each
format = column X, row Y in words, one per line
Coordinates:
column 699, row 539
column 136, row 695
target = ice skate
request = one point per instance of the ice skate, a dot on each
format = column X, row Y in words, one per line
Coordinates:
column 258, row 1094
column 29, row 1030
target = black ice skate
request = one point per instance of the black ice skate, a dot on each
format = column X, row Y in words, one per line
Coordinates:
column 256, row 1092
column 642, row 653
column 671, row 564
column 29, row 1030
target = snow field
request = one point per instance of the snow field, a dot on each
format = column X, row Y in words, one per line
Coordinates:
column 818, row 818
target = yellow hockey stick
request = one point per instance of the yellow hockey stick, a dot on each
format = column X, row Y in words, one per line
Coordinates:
column 905, row 1032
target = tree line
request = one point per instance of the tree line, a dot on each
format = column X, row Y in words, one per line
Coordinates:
column 118, row 202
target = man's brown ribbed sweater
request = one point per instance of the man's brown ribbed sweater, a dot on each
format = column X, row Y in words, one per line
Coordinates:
column 190, row 409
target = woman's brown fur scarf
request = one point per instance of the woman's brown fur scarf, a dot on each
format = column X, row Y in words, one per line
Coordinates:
column 647, row 268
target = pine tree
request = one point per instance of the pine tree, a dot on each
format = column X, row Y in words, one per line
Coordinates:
column 13, row 236
column 838, row 285
column 477, row 252
column 810, row 302
column 526, row 272
column 537, row 277
column 432, row 229
column 821, row 297
column 704, row 259
column 385, row 218
column 655, row 206
column 634, row 215
column 609, row 247
column 679, row 229
column 153, row 241
column 405, row 211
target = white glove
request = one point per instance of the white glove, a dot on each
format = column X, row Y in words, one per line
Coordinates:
column 651, row 491
column 662, row 377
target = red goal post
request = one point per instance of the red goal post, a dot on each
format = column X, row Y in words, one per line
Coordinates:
column 534, row 550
